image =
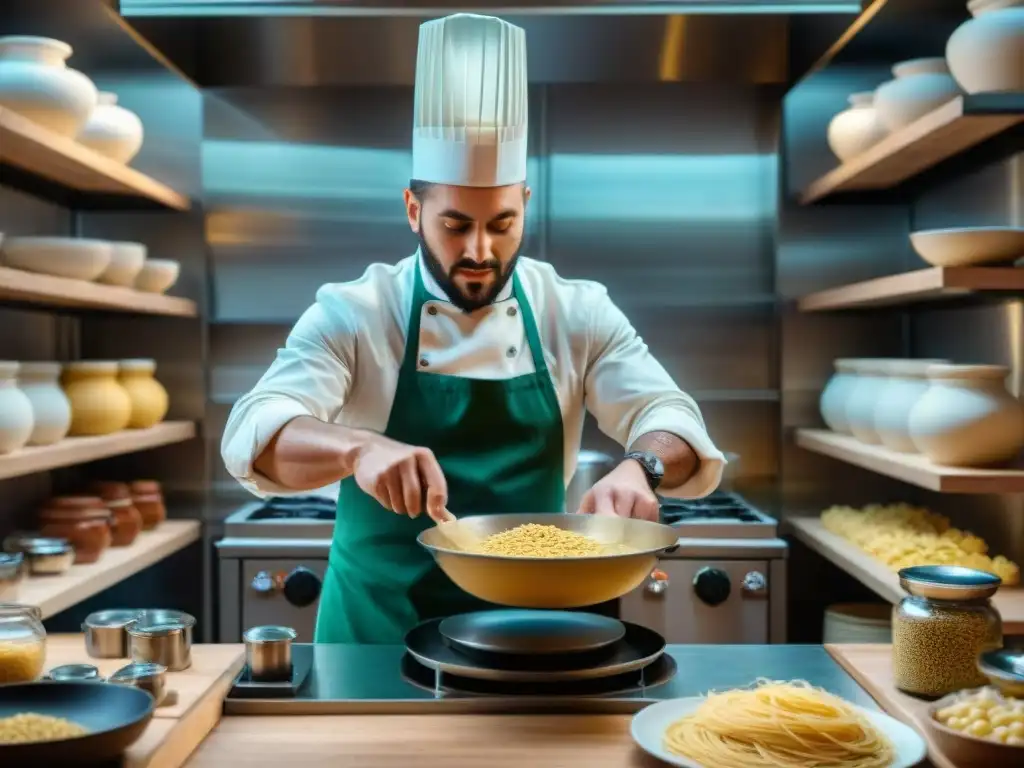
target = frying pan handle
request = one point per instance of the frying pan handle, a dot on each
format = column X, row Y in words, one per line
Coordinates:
column 670, row 550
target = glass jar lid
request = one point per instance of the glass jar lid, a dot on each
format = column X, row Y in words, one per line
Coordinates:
column 948, row 582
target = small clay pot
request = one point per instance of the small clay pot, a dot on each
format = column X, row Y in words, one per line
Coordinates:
column 126, row 521
column 109, row 490
column 82, row 520
column 152, row 509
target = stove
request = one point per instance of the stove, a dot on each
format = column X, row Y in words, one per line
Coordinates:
column 384, row 679
column 724, row 583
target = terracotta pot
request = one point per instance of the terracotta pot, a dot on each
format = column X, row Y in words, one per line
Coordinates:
column 109, row 490
column 148, row 396
column 152, row 509
column 146, row 487
column 126, row 521
column 82, row 520
column 99, row 405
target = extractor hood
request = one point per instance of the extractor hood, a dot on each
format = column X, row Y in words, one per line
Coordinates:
column 430, row 8
column 310, row 43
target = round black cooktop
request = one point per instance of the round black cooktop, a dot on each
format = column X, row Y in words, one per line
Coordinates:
column 531, row 632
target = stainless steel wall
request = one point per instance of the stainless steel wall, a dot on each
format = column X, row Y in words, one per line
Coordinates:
column 664, row 192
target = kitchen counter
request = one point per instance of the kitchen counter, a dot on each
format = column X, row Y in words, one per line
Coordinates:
column 452, row 738
column 175, row 730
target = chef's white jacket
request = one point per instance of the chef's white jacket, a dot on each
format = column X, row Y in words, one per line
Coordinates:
column 341, row 361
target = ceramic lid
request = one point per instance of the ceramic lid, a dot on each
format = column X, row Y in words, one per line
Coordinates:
column 470, row 102
column 8, row 369
column 138, row 365
column 92, row 366
column 912, row 369
column 39, row 370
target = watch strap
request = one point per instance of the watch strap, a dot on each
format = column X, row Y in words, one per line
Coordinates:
column 651, row 466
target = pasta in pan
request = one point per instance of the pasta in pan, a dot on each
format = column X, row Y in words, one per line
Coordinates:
column 779, row 725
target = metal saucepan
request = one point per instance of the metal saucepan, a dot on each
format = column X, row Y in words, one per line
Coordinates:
column 115, row 715
column 542, row 582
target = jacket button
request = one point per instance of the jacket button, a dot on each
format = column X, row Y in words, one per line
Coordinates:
column 512, row 311
column 423, row 362
column 510, row 352
column 431, row 310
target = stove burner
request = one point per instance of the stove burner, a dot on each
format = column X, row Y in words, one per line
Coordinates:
column 658, row 672
column 637, row 649
column 717, row 506
column 296, row 508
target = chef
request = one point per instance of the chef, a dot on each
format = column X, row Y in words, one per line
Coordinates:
column 455, row 382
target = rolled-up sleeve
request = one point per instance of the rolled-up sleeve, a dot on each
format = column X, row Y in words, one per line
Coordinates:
column 631, row 394
column 310, row 376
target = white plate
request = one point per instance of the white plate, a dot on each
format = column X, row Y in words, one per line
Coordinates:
column 649, row 726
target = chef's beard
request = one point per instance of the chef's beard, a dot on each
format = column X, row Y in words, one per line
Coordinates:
column 483, row 296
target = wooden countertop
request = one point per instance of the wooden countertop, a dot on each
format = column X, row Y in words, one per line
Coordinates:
column 424, row 741
column 175, row 731
column 871, row 667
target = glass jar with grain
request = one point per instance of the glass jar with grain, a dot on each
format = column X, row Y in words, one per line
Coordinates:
column 942, row 625
column 22, row 643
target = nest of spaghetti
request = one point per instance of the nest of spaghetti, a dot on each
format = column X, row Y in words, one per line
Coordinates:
column 777, row 724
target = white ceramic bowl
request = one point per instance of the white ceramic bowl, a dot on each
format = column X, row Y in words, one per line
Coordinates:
column 968, row 246
column 72, row 257
column 126, row 262
column 157, row 275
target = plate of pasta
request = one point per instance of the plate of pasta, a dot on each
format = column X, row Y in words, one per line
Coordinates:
column 774, row 724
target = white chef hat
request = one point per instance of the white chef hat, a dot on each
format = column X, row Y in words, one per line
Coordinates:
column 469, row 127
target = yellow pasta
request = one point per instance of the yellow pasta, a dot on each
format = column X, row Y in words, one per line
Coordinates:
column 776, row 725
column 534, row 540
column 29, row 727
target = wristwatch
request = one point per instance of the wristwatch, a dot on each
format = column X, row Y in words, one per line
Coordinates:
column 651, row 465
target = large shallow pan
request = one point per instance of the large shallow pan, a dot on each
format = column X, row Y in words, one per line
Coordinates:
column 542, row 582
column 116, row 716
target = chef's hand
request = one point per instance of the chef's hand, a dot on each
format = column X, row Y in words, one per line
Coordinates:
column 403, row 478
column 624, row 492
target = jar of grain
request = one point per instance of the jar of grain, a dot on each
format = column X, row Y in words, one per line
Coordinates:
column 942, row 625
column 22, row 643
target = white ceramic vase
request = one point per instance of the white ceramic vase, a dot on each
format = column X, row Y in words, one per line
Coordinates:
column 920, row 86
column 860, row 403
column 35, row 82
column 986, row 53
column 111, row 130
column 835, row 395
column 906, row 384
column 40, row 382
column 856, row 129
column 967, row 417
column 15, row 410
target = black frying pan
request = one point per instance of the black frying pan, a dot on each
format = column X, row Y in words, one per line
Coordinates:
column 116, row 716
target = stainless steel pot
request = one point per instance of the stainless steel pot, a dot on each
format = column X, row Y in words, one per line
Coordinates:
column 591, row 466
column 268, row 653
column 550, row 582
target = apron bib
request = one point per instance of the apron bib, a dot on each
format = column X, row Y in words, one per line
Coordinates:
column 499, row 444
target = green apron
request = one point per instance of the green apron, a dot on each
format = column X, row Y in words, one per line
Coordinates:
column 500, row 446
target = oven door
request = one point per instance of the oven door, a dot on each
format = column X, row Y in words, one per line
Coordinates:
column 703, row 601
column 285, row 592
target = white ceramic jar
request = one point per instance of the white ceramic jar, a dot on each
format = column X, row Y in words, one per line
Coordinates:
column 856, row 129
column 986, row 53
column 860, row 404
column 35, row 82
column 836, row 393
column 50, row 407
column 906, row 384
column 112, row 130
column 15, row 410
column 920, row 86
column 967, row 417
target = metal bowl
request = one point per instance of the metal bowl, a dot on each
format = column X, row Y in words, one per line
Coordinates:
column 550, row 582
column 1005, row 669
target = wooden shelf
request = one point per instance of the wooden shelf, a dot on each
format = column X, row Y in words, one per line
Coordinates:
column 16, row 285
column 58, row 159
column 53, row 594
column 932, row 284
column 952, row 128
column 877, row 577
column 79, row 450
column 910, row 468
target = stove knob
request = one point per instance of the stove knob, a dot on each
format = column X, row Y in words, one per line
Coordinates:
column 712, row 585
column 302, row 587
column 263, row 583
column 755, row 584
